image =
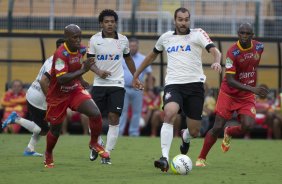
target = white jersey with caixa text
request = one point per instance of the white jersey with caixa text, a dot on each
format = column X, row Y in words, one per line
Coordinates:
column 184, row 52
column 109, row 54
column 35, row 95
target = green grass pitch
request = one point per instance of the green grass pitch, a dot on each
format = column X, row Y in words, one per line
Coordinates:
column 247, row 162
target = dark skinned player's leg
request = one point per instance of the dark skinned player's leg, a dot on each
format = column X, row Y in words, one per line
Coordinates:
column 51, row 140
column 212, row 136
column 246, row 123
column 90, row 109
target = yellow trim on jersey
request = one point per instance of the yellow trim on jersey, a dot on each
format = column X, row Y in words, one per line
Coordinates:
column 59, row 74
column 241, row 48
column 69, row 50
column 231, row 72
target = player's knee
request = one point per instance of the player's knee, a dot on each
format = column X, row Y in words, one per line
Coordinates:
column 36, row 129
column 56, row 130
column 246, row 127
column 194, row 132
column 216, row 130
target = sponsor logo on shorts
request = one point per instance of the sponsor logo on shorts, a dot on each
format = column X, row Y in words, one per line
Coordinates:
column 167, row 95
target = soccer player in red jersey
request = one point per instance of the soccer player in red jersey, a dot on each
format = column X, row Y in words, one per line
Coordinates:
column 66, row 89
column 237, row 91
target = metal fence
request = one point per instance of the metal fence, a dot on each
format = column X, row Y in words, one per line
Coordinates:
column 143, row 17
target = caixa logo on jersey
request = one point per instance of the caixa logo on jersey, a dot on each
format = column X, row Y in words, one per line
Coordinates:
column 112, row 57
column 177, row 48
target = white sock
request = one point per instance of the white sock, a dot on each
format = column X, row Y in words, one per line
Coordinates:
column 186, row 135
column 166, row 139
column 29, row 125
column 112, row 137
column 33, row 141
column 100, row 141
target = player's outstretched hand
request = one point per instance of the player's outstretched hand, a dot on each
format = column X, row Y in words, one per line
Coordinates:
column 104, row 74
column 137, row 84
column 216, row 67
column 87, row 64
column 261, row 91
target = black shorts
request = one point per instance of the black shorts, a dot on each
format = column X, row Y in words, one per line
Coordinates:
column 108, row 99
column 38, row 117
column 190, row 98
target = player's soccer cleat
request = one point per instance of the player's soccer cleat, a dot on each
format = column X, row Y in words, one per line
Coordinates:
column 226, row 141
column 201, row 162
column 162, row 164
column 10, row 119
column 184, row 147
column 27, row 152
column 97, row 149
column 48, row 162
column 106, row 161
column 93, row 154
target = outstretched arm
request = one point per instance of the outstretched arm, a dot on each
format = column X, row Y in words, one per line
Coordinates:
column 66, row 78
column 261, row 91
column 217, row 57
column 147, row 61
column 130, row 64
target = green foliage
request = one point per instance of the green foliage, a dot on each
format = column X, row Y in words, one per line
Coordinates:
column 248, row 161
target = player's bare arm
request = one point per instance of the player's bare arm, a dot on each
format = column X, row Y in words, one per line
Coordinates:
column 217, row 58
column 130, row 64
column 101, row 73
column 147, row 61
column 261, row 91
column 66, row 78
column 84, row 83
column 44, row 83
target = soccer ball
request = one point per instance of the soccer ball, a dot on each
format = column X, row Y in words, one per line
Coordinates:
column 181, row 164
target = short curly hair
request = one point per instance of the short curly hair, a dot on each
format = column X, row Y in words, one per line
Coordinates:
column 108, row 12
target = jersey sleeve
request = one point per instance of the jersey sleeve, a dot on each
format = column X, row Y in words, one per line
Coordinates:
column 159, row 45
column 126, row 49
column 91, row 46
column 230, row 62
column 204, row 38
column 48, row 65
column 60, row 65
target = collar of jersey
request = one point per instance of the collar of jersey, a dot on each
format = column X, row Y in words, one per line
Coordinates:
column 241, row 48
column 116, row 35
column 188, row 31
column 69, row 49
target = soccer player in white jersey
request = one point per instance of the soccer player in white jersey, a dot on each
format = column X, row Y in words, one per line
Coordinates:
column 109, row 48
column 184, row 89
column 36, row 103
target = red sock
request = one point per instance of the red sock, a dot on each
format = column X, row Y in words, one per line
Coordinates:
column 95, row 124
column 51, row 142
column 235, row 131
column 208, row 143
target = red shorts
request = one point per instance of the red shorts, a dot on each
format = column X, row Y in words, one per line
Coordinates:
column 56, row 114
column 227, row 105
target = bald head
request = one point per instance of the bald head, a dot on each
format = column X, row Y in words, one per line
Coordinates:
column 245, row 26
column 71, row 29
column 72, row 34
